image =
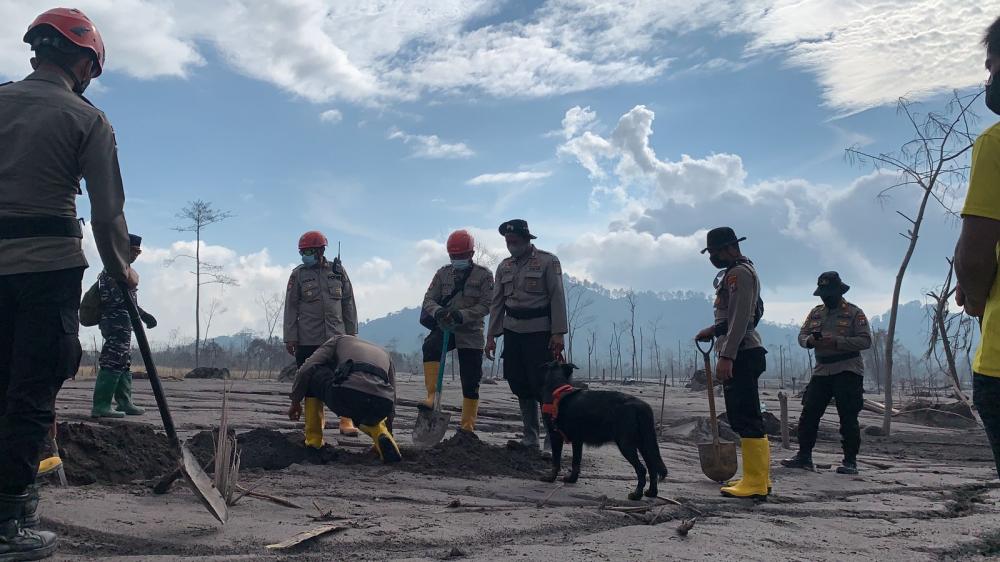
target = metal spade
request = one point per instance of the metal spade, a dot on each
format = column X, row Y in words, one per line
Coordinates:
column 718, row 458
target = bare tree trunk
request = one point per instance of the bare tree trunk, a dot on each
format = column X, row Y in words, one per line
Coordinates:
column 197, row 297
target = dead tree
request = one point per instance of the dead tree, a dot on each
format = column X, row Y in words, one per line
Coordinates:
column 941, row 323
column 630, row 298
column 577, row 301
column 591, row 348
column 198, row 216
column 934, row 161
column 273, row 306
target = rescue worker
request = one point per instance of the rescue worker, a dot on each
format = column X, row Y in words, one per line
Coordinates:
column 529, row 310
column 50, row 138
column 353, row 378
column 741, row 357
column 114, row 378
column 838, row 331
column 458, row 300
column 319, row 304
column 976, row 254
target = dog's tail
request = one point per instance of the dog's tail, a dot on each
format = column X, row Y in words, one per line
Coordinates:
column 649, row 446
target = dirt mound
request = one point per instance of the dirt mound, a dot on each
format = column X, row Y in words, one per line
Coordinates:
column 117, row 454
column 772, row 425
column 925, row 412
column 207, row 373
column 464, row 454
column 264, row 449
column 698, row 430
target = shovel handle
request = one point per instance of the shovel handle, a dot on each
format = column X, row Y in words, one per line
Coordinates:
column 712, row 420
column 147, row 358
column 445, row 337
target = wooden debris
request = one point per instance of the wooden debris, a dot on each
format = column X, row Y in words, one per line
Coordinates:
column 783, row 402
column 326, row 515
column 877, row 407
column 306, row 536
column 260, row 495
column 681, row 504
column 686, row 526
column 550, row 494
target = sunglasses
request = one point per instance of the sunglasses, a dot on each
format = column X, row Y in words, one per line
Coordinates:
column 308, row 252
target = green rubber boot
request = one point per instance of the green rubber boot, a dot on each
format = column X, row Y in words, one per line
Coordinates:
column 123, row 396
column 104, row 391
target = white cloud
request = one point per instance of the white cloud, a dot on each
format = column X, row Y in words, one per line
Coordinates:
column 331, row 116
column 508, row 177
column 431, row 146
column 576, row 120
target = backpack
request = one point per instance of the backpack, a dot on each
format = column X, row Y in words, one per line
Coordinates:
column 90, row 307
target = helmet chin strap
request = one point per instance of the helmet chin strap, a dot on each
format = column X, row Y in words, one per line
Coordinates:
column 78, row 86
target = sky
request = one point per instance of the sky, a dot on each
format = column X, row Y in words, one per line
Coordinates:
column 621, row 130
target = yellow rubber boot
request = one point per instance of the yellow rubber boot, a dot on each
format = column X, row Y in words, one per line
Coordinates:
column 315, row 421
column 470, row 408
column 385, row 445
column 347, row 427
column 431, row 369
column 756, row 470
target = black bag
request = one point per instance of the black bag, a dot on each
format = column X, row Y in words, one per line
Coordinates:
column 427, row 320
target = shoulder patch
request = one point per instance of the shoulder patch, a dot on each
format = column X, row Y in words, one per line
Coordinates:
column 732, row 281
column 862, row 319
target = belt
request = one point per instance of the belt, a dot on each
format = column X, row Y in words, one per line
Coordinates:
column 35, row 227
column 528, row 313
column 828, row 359
column 351, row 366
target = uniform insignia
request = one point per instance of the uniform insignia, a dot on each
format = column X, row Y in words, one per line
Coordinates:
column 557, row 266
column 290, row 283
column 862, row 320
column 731, row 281
column 843, row 323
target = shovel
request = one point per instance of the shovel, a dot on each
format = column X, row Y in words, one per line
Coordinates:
column 432, row 424
column 718, row 458
column 200, row 483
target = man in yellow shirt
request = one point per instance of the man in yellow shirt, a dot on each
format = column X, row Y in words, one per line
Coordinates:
column 977, row 253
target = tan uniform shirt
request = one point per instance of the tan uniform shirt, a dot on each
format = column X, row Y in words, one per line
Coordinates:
column 735, row 305
column 339, row 349
column 473, row 302
column 319, row 304
column 848, row 327
column 50, row 138
column 532, row 282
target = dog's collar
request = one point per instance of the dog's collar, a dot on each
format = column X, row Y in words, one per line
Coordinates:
column 557, row 395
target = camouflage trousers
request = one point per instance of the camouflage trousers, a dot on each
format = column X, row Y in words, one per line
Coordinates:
column 116, row 353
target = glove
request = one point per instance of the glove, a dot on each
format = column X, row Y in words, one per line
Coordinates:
column 456, row 318
column 148, row 320
column 443, row 318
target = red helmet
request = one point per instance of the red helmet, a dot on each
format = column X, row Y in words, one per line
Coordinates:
column 460, row 242
column 73, row 25
column 312, row 239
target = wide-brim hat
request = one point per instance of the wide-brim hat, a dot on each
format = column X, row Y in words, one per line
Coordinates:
column 830, row 285
column 134, row 240
column 517, row 226
column 720, row 238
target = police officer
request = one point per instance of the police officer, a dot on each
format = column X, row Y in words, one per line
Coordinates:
column 741, row 357
column 114, row 378
column 319, row 304
column 838, row 331
column 529, row 311
column 353, row 378
column 458, row 300
column 50, row 137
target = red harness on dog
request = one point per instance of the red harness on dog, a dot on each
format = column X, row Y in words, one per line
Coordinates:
column 553, row 408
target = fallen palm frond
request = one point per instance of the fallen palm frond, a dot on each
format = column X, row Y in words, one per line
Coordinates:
column 227, row 456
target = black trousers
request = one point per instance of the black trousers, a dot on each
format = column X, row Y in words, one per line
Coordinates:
column 523, row 357
column 363, row 408
column 303, row 352
column 986, row 397
column 470, row 362
column 848, row 389
column 742, row 396
column 39, row 350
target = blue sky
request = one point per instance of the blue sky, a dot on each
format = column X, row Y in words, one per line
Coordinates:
column 225, row 104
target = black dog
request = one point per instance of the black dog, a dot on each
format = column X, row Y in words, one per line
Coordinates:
column 598, row 417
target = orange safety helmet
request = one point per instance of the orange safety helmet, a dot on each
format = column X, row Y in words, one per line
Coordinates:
column 460, row 242
column 75, row 27
column 312, row 239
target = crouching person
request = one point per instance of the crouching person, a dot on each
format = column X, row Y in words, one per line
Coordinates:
column 355, row 379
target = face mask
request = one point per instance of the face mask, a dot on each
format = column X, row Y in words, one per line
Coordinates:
column 993, row 95
column 461, row 264
column 719, row 262
column 518, row 250
column 309, row 260
column 831, row 302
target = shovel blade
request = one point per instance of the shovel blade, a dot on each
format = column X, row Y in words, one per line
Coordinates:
column 202, row 485
column 718, row 460
column 430, row 428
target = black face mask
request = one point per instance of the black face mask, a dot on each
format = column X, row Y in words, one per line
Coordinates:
column 719, row 262
column 993, row 95
column 831, row 302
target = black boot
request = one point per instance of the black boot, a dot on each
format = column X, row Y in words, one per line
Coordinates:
column 800, row 460
column 17, row 543
column 29, row 513
column 848, row 466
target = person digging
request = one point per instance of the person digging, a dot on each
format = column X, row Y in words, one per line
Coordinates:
column 356, row 379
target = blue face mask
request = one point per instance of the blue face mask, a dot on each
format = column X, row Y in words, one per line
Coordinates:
column 309, row 260
column 461, row 264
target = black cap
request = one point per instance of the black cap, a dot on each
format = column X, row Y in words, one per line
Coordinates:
column 517, row 226
column 134, row 240
column 720, row 238
column 830, row 285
